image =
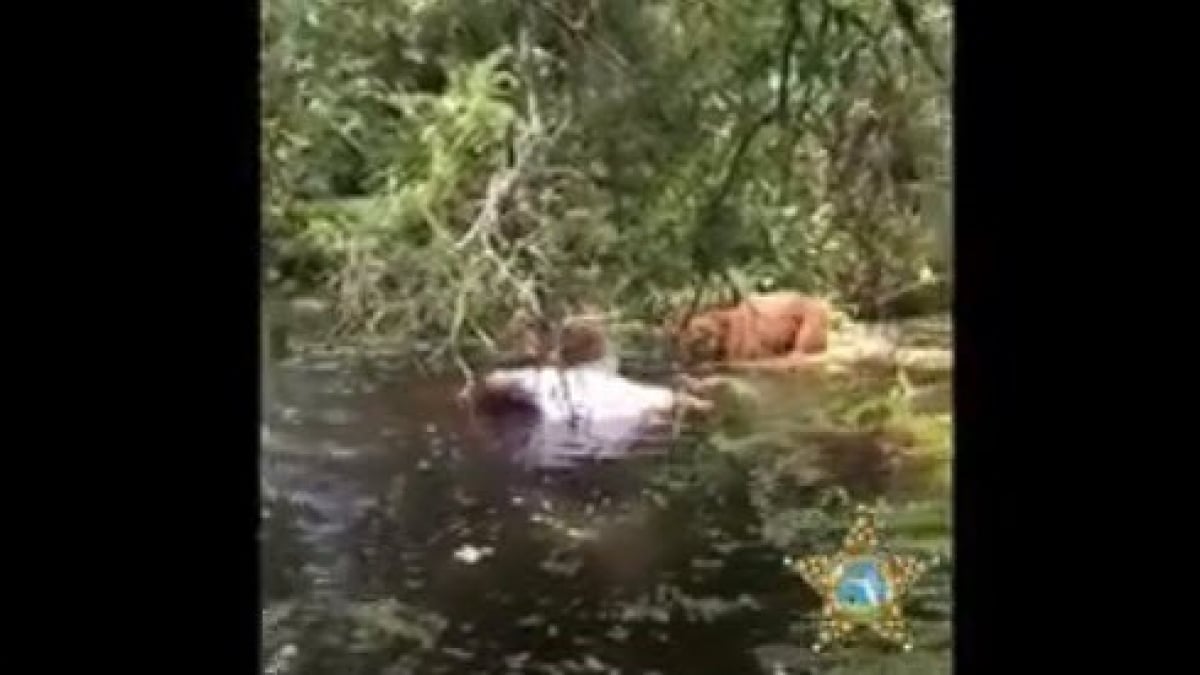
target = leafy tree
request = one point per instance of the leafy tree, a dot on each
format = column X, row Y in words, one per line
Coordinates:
column 431, row 165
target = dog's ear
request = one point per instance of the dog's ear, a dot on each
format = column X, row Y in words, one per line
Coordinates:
column 673, row 324
column 722, row 322
column 725, row 324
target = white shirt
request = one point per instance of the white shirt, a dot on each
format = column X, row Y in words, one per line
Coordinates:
column 584, row 412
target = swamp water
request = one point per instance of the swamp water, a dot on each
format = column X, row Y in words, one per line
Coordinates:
column 394, row 541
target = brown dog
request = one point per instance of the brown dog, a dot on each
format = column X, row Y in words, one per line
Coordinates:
column 783, row 330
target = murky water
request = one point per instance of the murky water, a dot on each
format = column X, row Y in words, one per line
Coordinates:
column 397, row 541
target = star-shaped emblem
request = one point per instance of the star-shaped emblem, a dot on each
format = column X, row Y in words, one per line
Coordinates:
column 861, row 586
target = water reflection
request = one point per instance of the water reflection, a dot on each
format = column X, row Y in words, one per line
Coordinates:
column 407, row 542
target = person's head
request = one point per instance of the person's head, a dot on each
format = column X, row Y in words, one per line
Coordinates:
column 496, row 394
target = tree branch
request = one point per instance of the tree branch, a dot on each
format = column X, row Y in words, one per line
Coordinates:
column 794, row 26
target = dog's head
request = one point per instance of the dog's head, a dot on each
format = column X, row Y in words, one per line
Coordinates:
column 701, row 337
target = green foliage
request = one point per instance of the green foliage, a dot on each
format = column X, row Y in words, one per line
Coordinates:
column 857, row 430
column 433, row 164
column 316, row 635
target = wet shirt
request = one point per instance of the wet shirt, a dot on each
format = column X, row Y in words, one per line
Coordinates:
column 585, row 412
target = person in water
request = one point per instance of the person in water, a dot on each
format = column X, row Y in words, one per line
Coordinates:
column 579, row 391
column 567, row 414
column 572, row 391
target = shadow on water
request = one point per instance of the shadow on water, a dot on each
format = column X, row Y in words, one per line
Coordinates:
column 394, row 541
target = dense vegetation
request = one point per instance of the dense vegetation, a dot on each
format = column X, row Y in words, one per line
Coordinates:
column 431, row 165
